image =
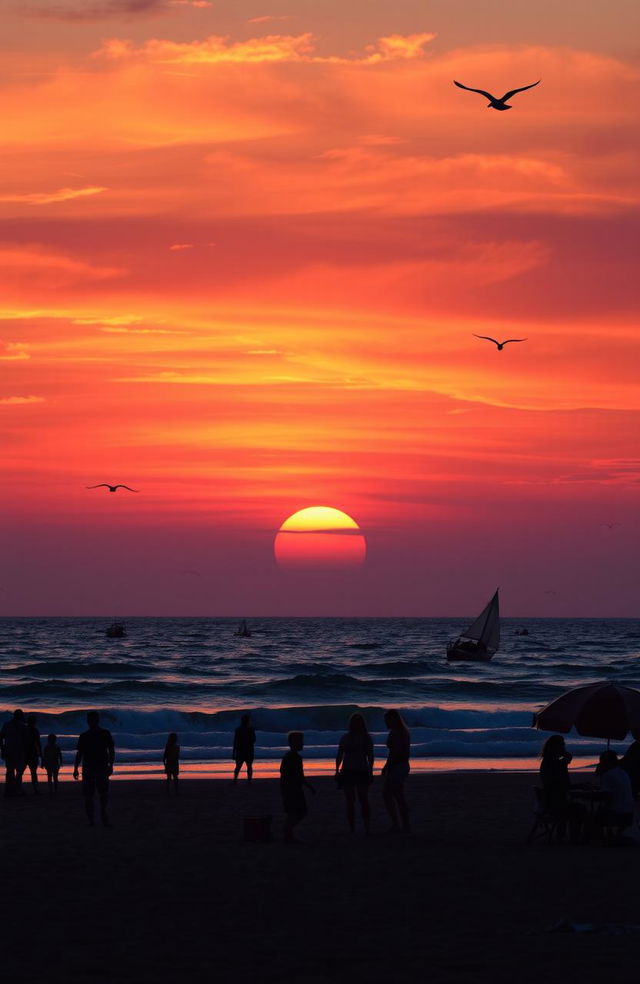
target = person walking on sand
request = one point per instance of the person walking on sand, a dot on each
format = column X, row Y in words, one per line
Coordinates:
column 292, row 783
column 171, row 762
column 354, row 769
column 96, row 755
column 52, row 762
column 13, row 749
column 396, row 769
column 34, row 750
column 244, row 741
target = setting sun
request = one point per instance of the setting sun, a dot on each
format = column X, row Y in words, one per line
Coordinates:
column 320, row 537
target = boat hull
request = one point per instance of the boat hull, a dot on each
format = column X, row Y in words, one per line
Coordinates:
column 469, row 653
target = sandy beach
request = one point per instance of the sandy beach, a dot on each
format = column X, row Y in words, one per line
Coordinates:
column 171, row 893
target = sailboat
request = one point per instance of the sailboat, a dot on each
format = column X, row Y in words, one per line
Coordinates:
column 243, row 630
column 481, row 640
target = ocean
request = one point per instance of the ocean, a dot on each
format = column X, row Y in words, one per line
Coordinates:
column 195, row 676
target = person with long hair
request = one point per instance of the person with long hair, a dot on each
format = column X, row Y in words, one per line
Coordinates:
column 396, row 770
column 554, row 775
column 354, row 769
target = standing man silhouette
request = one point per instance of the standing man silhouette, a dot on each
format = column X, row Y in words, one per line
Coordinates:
column 96, row 754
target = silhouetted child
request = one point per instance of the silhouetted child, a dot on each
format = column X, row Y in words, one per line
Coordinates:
column 171, row 761
column 292, row 783
column 244, row 740
column 52, row 762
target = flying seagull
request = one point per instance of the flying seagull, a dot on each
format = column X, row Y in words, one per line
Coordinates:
column 494, row 102
column 112, row 488
column 610, row 526
column 500, row 345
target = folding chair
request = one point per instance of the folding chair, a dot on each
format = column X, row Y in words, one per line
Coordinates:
column 545, row 824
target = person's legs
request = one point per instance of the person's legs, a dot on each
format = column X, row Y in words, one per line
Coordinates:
column 102, row 785
column 402, row 807
column 88, row 791
column 390, row 803
column 236, row 771
column 249, row 769
column 350, row 800
column 33, row 769
column 363, row 798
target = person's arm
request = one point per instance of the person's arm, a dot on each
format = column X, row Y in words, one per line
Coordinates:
column 340, row 755
column 370, row 756
column 164, row 757
column 59, row 759
column 78, row 758
column 112, row 752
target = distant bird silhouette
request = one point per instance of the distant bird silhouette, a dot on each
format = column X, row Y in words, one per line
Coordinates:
column 610, row 526
column 494, row 102
column 112, row 488
column 500, row 345
column 550, row 592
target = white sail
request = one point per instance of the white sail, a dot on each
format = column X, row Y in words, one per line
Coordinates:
column 486, row 628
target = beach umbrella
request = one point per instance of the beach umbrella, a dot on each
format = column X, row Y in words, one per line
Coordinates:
column 599, row 710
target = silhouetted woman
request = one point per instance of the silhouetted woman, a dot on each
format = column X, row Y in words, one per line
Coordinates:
column 554, row 774
column 244, row 740
column 396, row 770
column 354, row 769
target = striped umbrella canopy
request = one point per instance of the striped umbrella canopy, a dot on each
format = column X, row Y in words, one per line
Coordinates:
column 600, row 710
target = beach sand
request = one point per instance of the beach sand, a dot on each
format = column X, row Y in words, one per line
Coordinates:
column 171, row 893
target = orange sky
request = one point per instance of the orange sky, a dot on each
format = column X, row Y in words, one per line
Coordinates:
column 243, row 253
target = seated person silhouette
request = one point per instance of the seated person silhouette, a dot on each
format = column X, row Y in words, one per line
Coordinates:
column 554, row 775
column 617, row 809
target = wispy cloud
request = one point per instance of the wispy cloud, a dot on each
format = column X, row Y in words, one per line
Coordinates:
column 13, row 352
column 15, row 401
column 52, row 197
column 85, row 10
column 271, row 48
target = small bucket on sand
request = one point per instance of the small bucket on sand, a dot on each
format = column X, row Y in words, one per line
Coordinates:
column 256, row 829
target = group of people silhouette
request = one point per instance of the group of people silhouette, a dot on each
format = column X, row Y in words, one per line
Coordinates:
column 21, row 748
column 619, row 784
column 353, row 773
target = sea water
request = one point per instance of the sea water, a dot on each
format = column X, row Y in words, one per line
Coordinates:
column 195, row 676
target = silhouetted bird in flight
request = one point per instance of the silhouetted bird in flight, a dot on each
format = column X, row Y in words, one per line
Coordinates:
column 500, row 345
column 494, row 102
column 112, row 488
column 610, row 526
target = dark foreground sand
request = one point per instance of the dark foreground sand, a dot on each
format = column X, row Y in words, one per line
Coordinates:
column 172, row 894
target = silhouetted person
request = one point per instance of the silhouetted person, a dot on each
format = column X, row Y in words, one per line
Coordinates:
column 292, row 783
column 617, row 810
column 354, row 769
column 396, row 769
column 171, row 761
column 630, row 762
column 554, row 774
column 96, row 754
column 34, row 750
column 52, row 762
column 13, row 748
column 244, row 741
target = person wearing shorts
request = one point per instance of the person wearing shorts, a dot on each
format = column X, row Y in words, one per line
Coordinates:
column 354, row 769
column 96, row 755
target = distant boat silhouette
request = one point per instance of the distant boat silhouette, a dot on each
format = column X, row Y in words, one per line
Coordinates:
column 243, row 630
column 117, row 631
column 481, row 640
column 495, row 102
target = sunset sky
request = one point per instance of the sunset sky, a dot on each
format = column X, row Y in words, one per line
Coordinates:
column 244, row 249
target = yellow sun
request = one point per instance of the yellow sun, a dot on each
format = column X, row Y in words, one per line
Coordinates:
column 320, row 537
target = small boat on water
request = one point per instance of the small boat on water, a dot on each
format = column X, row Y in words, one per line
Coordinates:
column 117, row 630
column 243, row 630
column 481, row 640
